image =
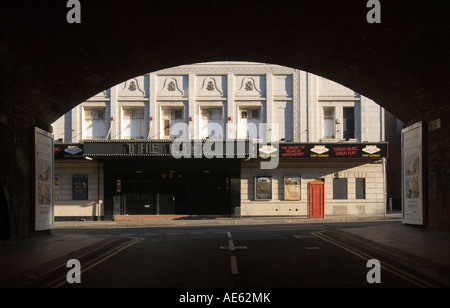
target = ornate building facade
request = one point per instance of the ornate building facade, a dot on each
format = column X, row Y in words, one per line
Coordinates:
column 142, row 147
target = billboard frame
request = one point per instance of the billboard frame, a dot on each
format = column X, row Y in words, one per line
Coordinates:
column 413, row 209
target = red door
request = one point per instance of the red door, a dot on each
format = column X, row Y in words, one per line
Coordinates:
column 316, row 199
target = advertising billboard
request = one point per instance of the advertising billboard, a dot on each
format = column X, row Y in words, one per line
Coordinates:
column 44, row 180
column 412, row 186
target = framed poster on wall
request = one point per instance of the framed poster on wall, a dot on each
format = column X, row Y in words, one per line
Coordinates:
column 43, row 180
column 263, row 188
column 80, row 187
column 412, row 186
column 56, row 188
column 292, row 187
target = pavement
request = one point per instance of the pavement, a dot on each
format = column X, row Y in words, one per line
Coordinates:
column 27, row 263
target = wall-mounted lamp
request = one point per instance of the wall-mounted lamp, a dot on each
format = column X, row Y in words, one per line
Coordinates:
column 152, row 118
column 191, row 119
column 230, row 118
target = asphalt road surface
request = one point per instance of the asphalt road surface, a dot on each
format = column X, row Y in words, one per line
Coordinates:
column 252, row 256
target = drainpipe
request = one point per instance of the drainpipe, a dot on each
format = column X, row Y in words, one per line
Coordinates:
column 384, row 185
column 98, row 190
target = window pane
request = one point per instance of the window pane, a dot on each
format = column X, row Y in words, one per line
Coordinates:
column 138, row 114
column 166, row 128
column 339, row 188
column 249, row 123
column 328, row 128
column 136, row 128
column 360, row 188
column 349, row 122
column 94, row 123
column 212, row 123
column 98, row 129
column 177, row 114
column 133, row 122
column 328, row 122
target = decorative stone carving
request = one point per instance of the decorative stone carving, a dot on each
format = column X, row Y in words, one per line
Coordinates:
column 211, row 86
column 249, row 86
column 171, row 87
column 133, row 87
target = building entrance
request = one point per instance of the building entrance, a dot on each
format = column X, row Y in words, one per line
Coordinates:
column 197, row 197
column 316, row 199
column 158, row 190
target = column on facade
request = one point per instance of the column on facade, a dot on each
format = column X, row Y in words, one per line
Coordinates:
column 314, row 112
column 153, row 107
column 114, row 114
column 194, row 124
column 231, row 118
column 303, row 107
column 269, row 103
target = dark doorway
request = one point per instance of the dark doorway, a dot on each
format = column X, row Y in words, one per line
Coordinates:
column 195, row 197
column 139, row 198
column 171, row 187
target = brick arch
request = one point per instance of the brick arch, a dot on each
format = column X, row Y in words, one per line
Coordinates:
column 48, row 66
column 51, row 65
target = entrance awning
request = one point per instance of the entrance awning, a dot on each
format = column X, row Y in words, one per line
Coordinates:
column 208, row 148
column 229, row 149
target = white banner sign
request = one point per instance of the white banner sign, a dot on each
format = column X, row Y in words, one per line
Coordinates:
column 44, row 180
column 412, row 199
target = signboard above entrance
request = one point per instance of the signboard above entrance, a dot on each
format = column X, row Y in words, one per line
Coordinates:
column 333, row 150
column 68, row 151
column 222, row 149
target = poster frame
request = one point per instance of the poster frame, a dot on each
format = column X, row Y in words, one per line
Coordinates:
column 44, row 180
column 286, row 195
column 82, row 194
column 258, row 196
column 412, row 175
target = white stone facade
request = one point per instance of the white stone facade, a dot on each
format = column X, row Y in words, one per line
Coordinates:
column 228, row 96
column 371, row 204
column 292, row 98
column 65, row 173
